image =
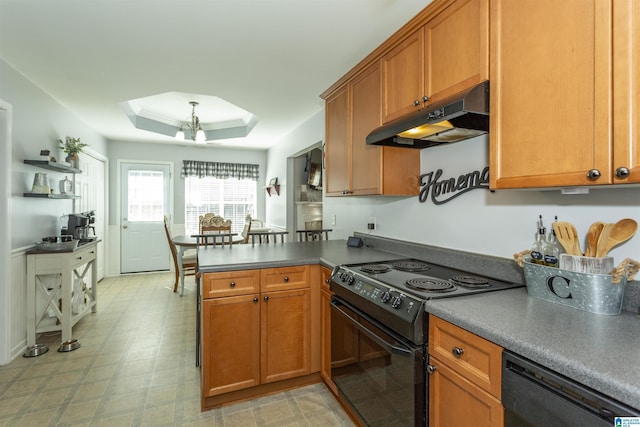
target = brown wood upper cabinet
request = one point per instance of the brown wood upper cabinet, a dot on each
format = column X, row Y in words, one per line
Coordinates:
column 565, row 93
column 447, row 55
column 352, row 166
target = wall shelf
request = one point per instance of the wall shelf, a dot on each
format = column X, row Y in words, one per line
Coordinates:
column 53, row 166
column 51, row 196
column 57, row 167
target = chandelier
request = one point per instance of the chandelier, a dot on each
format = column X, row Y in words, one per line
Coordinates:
column 197, row 134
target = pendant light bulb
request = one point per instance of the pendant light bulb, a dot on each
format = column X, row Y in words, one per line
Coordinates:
column 200, row 136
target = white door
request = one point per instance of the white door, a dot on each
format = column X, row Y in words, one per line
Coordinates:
column 145, row 202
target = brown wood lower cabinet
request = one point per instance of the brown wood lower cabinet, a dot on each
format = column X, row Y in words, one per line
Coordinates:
column 325, row 313
column 231, row 345
column 286, row 333
column 454, row 401
column 465, row 374
column 256, row 339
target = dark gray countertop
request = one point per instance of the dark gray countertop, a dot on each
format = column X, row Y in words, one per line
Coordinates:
column 599, row 351
column 241, row 257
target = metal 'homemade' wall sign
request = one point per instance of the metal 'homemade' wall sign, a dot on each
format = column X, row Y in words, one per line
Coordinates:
column 447, row 189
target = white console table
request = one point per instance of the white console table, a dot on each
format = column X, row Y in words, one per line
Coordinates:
column 50, row 279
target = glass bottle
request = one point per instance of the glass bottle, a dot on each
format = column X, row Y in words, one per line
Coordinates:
column 551, row 250
column 537, row 249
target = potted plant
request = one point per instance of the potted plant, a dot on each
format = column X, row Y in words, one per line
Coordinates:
column 72, row 146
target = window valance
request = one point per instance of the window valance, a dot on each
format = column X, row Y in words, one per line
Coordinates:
column 219, row 170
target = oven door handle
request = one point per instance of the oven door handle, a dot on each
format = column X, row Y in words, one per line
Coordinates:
column 387, row 346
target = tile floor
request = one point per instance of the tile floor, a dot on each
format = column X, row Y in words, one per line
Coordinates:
column 136, row 367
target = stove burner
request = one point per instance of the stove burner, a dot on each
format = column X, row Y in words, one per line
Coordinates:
column 375, row 268
column 470, row 281
column 430, row 284
column 411, row 266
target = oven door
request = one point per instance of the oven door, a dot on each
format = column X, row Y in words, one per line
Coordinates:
column 379, row 375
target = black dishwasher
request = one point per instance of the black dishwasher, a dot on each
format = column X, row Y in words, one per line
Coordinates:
column 534, row 396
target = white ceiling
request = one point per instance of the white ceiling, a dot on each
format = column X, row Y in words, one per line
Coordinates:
column 272, row 58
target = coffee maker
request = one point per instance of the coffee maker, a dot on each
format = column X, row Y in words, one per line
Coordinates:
column 80, row 226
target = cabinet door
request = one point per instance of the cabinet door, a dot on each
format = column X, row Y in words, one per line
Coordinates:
column 230, row 344
column 325, row 314
column 285, row 324
column 626, row 90
column 457, row 49
column 338, row 143
column 403, row 77
column 325, row 365
column 550, row 102
column 453, row 401
column 366, row 160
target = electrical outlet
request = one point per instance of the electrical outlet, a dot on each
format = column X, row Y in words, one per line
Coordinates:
column 333, row 219
column 372, row 223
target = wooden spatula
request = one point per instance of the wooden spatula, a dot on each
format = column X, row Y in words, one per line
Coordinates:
column 567, row 235
column 618, row 233
column 592, row 238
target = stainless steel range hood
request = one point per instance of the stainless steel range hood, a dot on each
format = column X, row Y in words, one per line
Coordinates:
column 460, row 117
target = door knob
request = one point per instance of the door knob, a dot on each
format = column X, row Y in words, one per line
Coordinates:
column 125, row 226
column 431, row 369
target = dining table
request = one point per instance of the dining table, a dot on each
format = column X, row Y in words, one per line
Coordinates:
column 183, row 243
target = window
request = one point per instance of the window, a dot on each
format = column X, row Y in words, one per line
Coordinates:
column 230, row 198
column 146, row 195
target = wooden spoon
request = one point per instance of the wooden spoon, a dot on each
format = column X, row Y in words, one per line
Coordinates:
column 567, row 235
column 618, row 233
column 592, row 238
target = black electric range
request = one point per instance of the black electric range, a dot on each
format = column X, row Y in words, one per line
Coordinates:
column 394, row 291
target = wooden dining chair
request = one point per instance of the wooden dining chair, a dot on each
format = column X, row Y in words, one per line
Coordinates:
column 214, row 224
column 188, row 260
column 246, row 229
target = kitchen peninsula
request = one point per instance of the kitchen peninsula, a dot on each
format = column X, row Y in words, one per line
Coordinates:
column 571, row 342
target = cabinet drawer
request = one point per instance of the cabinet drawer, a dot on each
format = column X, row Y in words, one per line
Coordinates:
column 83, row 256
column 226, row 284
column 283, row 278
column 476, row 359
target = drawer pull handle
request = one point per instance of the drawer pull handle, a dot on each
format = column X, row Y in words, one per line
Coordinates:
column 266, row 298
column 232, row 284
column 286, row 279
column 431, row 369
column 327, row 281
column 457, row 351
column 255, row 299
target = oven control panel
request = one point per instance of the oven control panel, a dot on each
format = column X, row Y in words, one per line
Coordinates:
column 369, row 291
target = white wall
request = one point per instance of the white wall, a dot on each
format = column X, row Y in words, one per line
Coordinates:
column 500, row 223
column 124, row 150
column 280, row 164
column 38, row 121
